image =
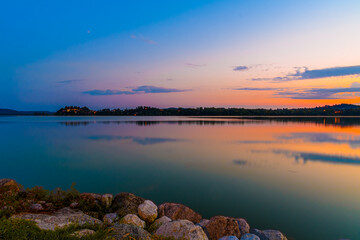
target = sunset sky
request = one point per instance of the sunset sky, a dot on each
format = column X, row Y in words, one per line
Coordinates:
column 228, row 53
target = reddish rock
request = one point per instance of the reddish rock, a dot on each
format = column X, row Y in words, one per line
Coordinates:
column 220, row 226
column 177, row 211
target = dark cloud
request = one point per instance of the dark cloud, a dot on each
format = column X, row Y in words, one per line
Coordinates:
column 193, row 65
column 303, row 73
column 70, row 81
column 241, row 68
column 137, row 90
column 310, row 93
column 317, row 93
column 152, row 89
column 107, row 92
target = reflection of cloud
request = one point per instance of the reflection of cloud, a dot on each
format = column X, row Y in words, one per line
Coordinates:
column 137, row 90
column 255, row 142
column 303, row 73
column 319, row 157
column 138, row 140
column 352, row 141
column 240, row 162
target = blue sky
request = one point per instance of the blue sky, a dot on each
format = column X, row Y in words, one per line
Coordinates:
column 178, row 53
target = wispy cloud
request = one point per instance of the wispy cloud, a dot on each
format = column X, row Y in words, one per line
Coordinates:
column 142, row 38
column 303, row 73
column 107, row 92
column 138, row 140
column 309, row 93
column 70, row 81
column 241, row 68
column 137, row 90
column 193, row 65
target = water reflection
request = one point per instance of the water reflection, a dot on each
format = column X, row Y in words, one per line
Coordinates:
column 138, row 140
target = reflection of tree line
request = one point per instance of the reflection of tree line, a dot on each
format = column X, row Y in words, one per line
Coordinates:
column 331, row 121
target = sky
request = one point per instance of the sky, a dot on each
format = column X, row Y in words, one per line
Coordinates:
column 179, row 53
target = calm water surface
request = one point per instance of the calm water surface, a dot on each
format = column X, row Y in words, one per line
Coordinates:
column 299, row 175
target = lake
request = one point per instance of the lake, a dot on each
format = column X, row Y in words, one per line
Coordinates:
column 298, row 175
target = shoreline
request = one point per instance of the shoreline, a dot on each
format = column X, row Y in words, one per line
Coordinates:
column 123, row 215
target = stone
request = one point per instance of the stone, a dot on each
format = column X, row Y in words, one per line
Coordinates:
column 123, row 231
column 74, row 205
column 177, row 211
column 229, row 238
column 148, row 211
column 110, row 218
column 9, row 185
column 83, row 233
column 36, row 207
column 220, row 226
column 249, row 236
column 268, row 234
column 59, row 219
column 243, row 226
column 203, row 222
column 181, row 229
column 126, row 203
column 106, row 200
column 133, row 219
column 158, row 222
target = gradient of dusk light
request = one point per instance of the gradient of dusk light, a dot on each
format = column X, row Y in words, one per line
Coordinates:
column 228, row 53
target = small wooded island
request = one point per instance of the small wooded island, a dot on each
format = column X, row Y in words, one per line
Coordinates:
column 335, row 110
column 41, row 214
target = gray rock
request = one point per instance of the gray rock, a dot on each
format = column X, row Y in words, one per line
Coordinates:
column 268, row 234
column 249, row 236
column 110, row 217
column 133, row 219
column 59, row 219
column 203, row 222
column 158, row 222
column 126, row 203
column 177, row 211
column 106, row 200
column 36, row 207
column 181, row 229
column 123, row 231
column 83, row 233
column 229, row 238
column 148, row 211
column 243, row 225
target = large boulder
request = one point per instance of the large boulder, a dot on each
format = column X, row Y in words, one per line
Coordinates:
column 126, row 203
column 249, row 236
column 177, row 211
column 9, row 185
column 269, row 234
column 133, row 219
column 59, row 219
column 110, row 218
column 220, row 226
column 148, row 211
column 158, row 222
column 124, row 231
column 181, row 229
column 106, row 200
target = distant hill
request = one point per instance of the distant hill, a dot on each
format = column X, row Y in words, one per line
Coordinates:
column 14, row 112
column 342, row 106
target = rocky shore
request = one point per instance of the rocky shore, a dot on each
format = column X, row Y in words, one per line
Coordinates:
column 124, row 216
